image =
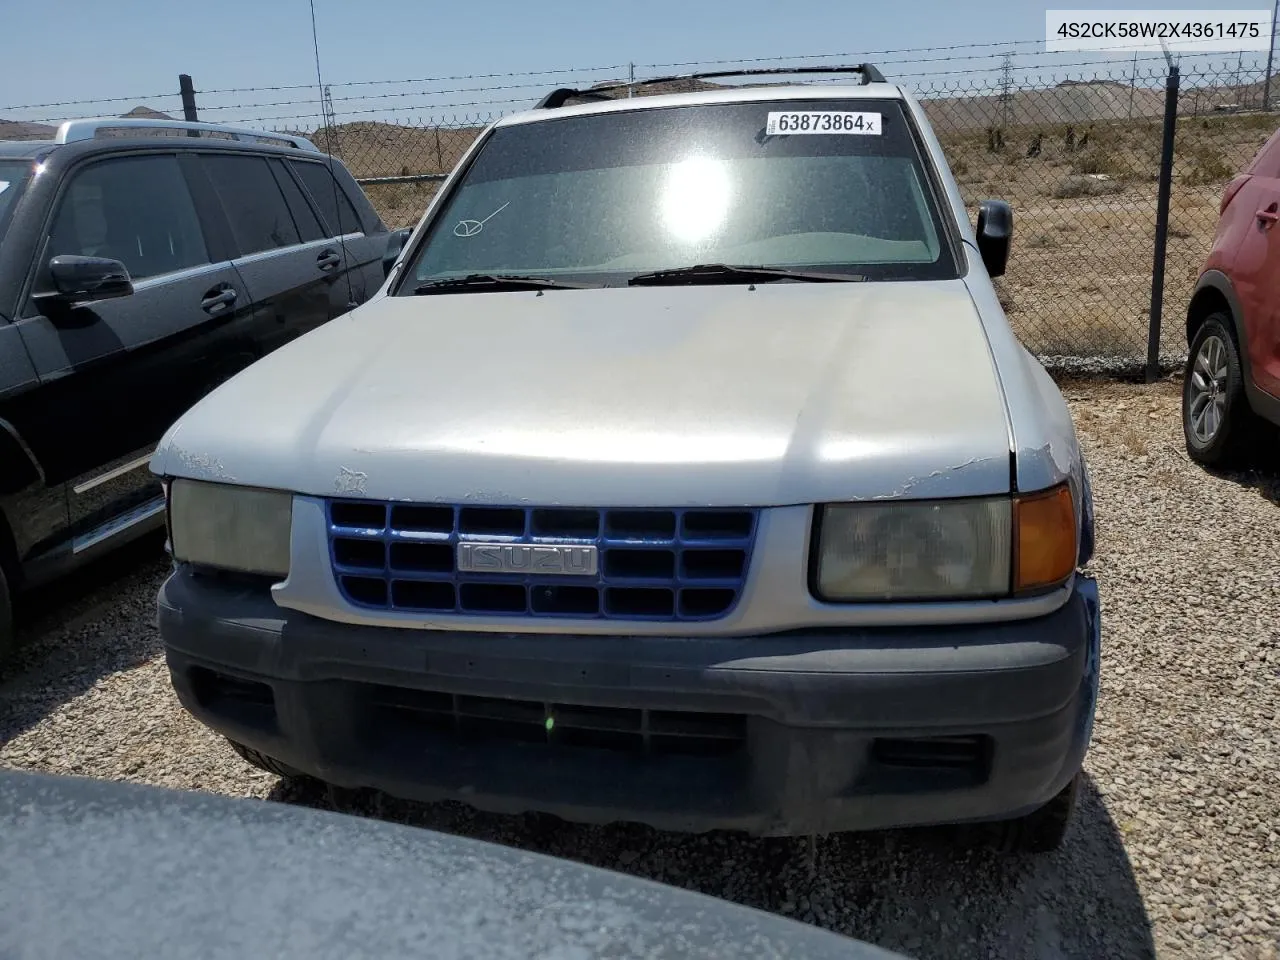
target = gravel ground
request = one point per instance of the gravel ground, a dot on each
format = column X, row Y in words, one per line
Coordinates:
column 1175, row 851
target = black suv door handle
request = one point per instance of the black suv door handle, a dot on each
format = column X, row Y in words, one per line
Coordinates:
column 328, row 259
column 219, row 298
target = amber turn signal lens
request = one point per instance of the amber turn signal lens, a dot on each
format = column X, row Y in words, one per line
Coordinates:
column 1045, row 538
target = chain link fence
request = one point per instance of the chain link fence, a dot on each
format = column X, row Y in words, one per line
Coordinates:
column 1078, row 158
column 1080, row 162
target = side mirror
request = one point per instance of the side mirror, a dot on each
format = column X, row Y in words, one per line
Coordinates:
column 995, row 234
column 80, row 279
column 395, row 244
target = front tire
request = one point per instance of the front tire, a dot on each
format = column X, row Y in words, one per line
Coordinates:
column 1043, row 830
column 1219, row 426
column 264, row 762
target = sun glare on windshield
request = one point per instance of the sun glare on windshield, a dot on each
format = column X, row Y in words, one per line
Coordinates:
column 695, row 198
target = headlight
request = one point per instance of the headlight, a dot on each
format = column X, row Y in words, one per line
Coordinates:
column 230, row 527
column 925, row 550
column 945, row 549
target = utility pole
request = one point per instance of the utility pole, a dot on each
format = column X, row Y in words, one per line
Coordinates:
column 631, row 78
column 326, row 108
column 1133, row 80
column 1266, row 85
column 1006, row 87
column 328, row 105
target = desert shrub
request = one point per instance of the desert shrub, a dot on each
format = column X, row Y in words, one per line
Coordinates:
column 1084, row 186
column 1100, row 160
column 1206, row 166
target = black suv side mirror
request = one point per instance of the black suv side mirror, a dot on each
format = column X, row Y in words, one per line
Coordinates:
column 395, row 244
column 78, row 279
column 995, row 234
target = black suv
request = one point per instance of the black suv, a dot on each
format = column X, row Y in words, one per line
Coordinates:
column 142, row 263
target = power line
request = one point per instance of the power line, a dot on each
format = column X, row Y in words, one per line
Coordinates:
column 465, row 76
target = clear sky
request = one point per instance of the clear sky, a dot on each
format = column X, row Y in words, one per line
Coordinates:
column 135, row 48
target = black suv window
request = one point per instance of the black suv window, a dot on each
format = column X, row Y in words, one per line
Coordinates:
column 303, row 216
column 14, row 175
column 334, row 206
column 259, row 217
column 133, row 209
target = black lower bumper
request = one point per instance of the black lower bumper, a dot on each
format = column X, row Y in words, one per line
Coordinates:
column 803, row 732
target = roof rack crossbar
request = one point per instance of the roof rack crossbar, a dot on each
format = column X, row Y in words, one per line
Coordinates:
column 75, row 130
column 559, row 97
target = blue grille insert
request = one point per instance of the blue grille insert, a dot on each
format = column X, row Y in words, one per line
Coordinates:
column 652, row 564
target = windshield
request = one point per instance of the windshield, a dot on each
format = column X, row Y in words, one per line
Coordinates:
column 13, row 177
column 836, row 186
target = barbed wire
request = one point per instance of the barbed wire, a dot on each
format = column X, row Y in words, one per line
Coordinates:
column 371, row 110
column 931, row 89
column 599, row 69
column 467, row 76
column 401, row 95
column 83, row 103
column 383, row 96
column 1195, row 66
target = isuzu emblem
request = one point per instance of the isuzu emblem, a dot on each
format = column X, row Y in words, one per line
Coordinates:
column 545, row 559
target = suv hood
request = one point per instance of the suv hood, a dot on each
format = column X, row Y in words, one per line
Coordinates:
column 679, row 396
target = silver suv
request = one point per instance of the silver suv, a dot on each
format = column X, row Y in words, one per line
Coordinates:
column 684, row 471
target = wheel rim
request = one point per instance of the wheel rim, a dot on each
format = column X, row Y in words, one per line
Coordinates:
column 1208, row 390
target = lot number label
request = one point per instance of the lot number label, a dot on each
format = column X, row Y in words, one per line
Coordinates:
column 781, row 124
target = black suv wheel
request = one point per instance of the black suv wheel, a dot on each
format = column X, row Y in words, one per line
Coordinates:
column 7, row 639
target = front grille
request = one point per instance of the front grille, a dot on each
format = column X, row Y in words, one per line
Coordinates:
column 622, row 729
column 669, row 565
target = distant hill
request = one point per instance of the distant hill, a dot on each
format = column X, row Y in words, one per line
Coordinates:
column 146, row 113
column 26, row 130
column 22, row 130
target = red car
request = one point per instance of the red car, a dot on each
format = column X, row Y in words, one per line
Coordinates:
column 1231, row 390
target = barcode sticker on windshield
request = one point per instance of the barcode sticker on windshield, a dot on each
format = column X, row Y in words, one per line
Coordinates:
column 822, row 121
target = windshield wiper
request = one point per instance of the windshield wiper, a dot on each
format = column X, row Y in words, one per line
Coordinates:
column 494, row 281
column 733, row 273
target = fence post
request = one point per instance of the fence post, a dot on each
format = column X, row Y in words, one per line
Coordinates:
column 1162, row 223
column 188, row 91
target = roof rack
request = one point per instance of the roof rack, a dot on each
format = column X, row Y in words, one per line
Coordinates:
column 559, row 97
column 76, row 130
